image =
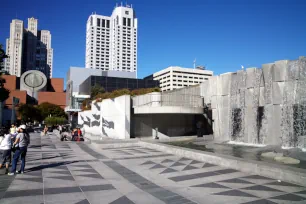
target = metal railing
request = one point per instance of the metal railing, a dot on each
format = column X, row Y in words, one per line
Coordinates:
column 168, row 99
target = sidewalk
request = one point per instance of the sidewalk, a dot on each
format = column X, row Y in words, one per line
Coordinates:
column 70, row 172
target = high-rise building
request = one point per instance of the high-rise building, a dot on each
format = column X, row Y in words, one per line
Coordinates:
column 28, row 49
column 111, row 42
column 173, row 78
column 14, row 48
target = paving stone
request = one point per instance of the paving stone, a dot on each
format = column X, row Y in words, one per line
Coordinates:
column 61, row 190
column 289, row 197
column 235, row 193
column 97, row 187
column 168, row 170
column 261, row 201
column 211, row 185
column 122, row 200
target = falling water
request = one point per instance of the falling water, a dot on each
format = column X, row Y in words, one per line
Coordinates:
column 294, row 108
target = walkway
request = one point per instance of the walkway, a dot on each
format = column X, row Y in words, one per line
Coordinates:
column 70, row 173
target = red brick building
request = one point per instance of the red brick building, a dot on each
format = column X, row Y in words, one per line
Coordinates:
column 54, row 93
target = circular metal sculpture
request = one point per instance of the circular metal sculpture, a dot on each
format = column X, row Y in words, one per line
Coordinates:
column 33, row 81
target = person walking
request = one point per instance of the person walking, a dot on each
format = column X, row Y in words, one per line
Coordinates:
column 5, row 148
column 21, row 143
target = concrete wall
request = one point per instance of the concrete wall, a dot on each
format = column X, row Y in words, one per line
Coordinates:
column 116, row 117
column 167, row 124
column 263, row 106
column 109, row 118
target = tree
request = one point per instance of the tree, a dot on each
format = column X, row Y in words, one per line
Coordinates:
column 29, row 113
column 95, row 90
column 55, row 121
column 2, row 57
column 49, row 109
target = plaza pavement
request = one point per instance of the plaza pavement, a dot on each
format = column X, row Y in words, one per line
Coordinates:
column 77, row 173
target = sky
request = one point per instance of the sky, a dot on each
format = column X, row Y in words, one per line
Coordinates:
column 220, row 34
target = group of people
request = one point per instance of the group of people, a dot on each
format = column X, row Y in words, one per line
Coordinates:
column 14, row 140
column 76, row 135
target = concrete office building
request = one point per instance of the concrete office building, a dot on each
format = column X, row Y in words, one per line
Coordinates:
column 14, row 48
column 111, row 42
column 173, row 78
column 28, row 49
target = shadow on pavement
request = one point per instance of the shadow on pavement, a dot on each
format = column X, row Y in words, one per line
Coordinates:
column 45, row 166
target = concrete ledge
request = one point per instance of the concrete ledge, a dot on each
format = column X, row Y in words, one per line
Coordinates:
column 279, row 172
column 168, row 109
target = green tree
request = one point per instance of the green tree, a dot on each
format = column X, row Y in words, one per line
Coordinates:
column 49, row 109
column 95, row 90
column 55, row 121
column 29, row 113
column 4, row 93
column 2, row 57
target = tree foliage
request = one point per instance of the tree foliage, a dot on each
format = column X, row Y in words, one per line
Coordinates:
column 49, row 109
column 29, row 113
column 2, row 57
column 55, row 121
column 95, row 90
column 116, row 93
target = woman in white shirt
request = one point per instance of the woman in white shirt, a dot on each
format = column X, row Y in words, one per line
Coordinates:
column 5, row 147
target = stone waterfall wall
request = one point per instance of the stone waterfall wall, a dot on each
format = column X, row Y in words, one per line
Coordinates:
column 260, row 105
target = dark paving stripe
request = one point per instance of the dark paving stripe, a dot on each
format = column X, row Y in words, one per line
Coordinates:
column 83, row 202
column 262, row 201
column 144, row 157
column 5, row 182
column 235, row 193
column 97, row 187
column 92, row 152
column 142, row 183
column 23, row 193
column 48, row 191
column 192, row 176
column 122, row 200
column 289, row 197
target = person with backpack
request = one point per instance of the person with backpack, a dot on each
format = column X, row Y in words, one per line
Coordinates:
column 21, row 144
column 5, row 147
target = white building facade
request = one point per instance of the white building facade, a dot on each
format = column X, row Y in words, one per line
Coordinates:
column 14, row 48
column 28, row 49
column 173, row 78
column 111, row 42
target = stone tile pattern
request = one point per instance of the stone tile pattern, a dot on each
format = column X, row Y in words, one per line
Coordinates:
column 65, row 172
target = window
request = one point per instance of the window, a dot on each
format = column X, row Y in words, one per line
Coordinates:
column 124, row 21
column 126, row 12
column 103, row 23
column 99, row 22
column 107, row 23
column 129, row 22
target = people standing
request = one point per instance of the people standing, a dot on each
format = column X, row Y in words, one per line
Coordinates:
column 22, row 141
column 13, row 130
column 5, row 148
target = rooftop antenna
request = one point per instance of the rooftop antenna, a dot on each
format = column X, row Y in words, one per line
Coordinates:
column 242, row 67
column 121, row 3
column 194, row 63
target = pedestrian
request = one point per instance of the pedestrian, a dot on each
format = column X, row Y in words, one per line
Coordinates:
column 199, row 129
column 21, row 143
column 5, row 147
column 60, row 128
column 13, row 129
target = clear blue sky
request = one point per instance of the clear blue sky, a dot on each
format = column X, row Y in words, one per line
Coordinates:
column 221, row 34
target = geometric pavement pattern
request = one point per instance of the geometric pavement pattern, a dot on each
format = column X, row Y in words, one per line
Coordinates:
column 260, row 189
column 67, row 172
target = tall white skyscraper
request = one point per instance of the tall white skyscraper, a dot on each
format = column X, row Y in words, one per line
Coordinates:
column 111, row 42
column 28, row 49
column 14, row 48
